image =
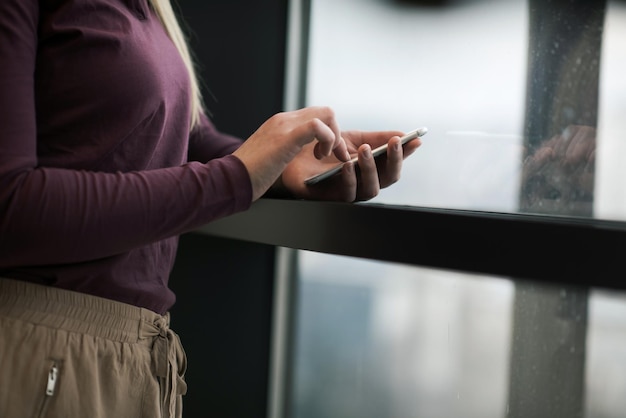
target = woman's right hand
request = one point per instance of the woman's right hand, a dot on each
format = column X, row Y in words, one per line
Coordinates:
column 276, row 142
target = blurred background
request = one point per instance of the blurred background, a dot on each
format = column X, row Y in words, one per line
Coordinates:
column 385, row 340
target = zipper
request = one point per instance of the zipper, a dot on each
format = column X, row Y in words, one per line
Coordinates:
column 51, row 386
column 53, row 375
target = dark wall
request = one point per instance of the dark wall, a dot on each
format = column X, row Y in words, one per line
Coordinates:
column 223, row 316
column 224, row 287
column 239, row 47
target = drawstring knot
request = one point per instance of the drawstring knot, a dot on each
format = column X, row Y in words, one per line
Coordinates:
column 170, row 363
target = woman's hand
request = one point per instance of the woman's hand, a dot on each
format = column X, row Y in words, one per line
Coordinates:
column 373, row 174
column 559, row 175
column 282, row 137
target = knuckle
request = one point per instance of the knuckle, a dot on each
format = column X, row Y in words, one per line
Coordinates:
column 279, row 116
column 328, row 111
column 316, row 123
column 279, row 119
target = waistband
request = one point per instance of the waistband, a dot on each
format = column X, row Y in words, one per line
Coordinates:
column 116, row 321
column 74, row 311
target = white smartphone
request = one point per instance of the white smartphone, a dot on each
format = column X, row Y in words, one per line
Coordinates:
column 375, row 152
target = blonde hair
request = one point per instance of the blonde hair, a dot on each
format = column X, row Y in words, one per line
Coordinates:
column 164, row 10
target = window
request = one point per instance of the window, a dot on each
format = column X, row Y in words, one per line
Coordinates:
column 498, row 287
column 375, row 339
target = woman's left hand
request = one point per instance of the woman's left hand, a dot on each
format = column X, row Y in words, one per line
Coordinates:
column 353, row 183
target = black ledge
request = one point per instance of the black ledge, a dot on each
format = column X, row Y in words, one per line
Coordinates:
column 576, row 251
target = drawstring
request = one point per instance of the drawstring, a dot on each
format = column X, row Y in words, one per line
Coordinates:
column 170, row 363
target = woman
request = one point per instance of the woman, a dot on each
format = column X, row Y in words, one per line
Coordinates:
column 106, row 157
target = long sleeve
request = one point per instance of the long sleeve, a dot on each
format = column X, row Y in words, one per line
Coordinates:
column 94, row 137
column 207, row 142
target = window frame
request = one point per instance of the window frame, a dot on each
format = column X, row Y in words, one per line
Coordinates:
column 519, row 246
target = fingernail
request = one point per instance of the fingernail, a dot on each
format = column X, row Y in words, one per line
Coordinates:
column 367, row 153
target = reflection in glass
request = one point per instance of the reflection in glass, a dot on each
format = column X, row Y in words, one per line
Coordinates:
column 499, row 83
column 558, row 177
column 564, row 53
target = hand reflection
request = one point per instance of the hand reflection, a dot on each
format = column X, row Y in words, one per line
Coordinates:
column 558, row 177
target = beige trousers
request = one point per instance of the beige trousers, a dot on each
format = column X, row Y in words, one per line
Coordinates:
column 66, row 354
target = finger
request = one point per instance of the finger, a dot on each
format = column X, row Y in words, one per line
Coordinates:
column 340, row 149
column 581, row 146
column 317, row 129
column 533, row 164
column 560, row 143
column 339, row 188
column 328, row 143
column 349, row 183
column 368, row 183
column 393, row 165
column 543, row 155
column 410, row 147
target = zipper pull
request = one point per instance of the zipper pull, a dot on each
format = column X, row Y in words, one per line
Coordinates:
column 52, row 380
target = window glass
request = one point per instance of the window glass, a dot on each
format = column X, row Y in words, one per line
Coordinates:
column 525, row 104
column 385, row 340
column 524, row 100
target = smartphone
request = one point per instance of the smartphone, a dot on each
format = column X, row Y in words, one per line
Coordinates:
column 375, row 152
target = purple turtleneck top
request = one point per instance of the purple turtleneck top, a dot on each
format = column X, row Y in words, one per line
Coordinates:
column 99, row 170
